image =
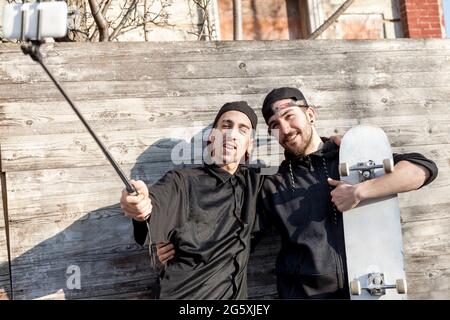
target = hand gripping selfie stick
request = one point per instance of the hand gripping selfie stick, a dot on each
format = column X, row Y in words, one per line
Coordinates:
column 33, row 49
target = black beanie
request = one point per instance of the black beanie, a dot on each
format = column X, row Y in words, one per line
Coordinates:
column 240, row 106
column 280, row 94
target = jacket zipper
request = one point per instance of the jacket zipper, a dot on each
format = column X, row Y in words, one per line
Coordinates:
column 337, row 254
column 340, row 269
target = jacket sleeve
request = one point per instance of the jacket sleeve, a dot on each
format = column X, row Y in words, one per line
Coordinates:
column 420, row 160
column 169, row 201
column 167, row 196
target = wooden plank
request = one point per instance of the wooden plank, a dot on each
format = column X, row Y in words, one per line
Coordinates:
column 71, row 206
column 63, row 196
column 260, row 266
column 109, row 261
column 5, row 284
column 80, row 149
column 94, row 90
column 2, row 220
column 60, row 190
column 31, row 118
column 430, row 237
column 424, row 212
column 103, row 266
column 215, row 49
column 62, row 241
column 428, row 276
column 426, row 245
column 407, row 68
column 54, row 184
column 171, row 52
column 67, row 194
column 426, row 195
column 36, row 152
column 32, row 240
column 438, row 153
column 141, row 68
column 107, row 115
column 261, row 275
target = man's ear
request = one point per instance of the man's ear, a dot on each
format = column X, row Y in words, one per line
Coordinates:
column 311, row 115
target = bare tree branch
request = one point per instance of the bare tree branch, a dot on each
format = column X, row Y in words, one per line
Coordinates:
column 104, row 11
column 100, row 20
column 331, row 19
column 106, row 7
column 145, row 20
column 207, row 25
column 123, row 21
column 98, row 23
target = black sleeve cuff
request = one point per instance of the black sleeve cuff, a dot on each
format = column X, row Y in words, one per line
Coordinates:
column 420, row 160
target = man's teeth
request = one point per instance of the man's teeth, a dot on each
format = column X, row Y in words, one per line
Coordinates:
column 290, row 138
column 229, row 146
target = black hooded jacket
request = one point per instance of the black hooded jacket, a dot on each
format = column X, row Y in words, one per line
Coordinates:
column 297, row 202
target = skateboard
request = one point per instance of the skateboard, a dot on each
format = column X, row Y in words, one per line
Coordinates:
column 372, row 230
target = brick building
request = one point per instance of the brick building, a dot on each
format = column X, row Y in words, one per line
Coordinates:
column 422, row 18
column 280, row 19
column 364, row 19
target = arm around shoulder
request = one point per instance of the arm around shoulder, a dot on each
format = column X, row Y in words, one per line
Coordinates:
column 425, row 169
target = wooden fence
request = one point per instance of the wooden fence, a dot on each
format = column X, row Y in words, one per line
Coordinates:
column 142, row 99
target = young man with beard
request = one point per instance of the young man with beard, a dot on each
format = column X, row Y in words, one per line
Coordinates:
column 207, row 212
column 305, row 199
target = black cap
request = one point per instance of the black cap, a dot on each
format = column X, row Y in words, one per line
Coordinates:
column 240, row 106
column 280, row 94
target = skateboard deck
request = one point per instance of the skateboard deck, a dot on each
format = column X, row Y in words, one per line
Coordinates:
column 372, row 230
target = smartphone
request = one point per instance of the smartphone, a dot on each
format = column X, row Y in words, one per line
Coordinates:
column 23, row 18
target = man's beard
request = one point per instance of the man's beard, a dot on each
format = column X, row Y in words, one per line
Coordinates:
column 307, row 139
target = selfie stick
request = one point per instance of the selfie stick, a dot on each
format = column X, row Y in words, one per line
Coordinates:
column 33, row 50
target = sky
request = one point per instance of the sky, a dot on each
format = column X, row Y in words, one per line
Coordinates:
column 446, row 4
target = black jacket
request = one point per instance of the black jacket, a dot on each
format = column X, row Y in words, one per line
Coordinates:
column 209, row 215
column 297, row 202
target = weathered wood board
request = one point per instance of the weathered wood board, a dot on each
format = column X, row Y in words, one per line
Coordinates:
column 144, row 99
column 5, row 283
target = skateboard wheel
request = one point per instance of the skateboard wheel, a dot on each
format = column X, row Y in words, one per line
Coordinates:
column 343, row 169
column 388, row 165
column 355, row 287
column 400, row 285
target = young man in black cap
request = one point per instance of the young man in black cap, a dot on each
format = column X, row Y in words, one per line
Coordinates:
column 305, row 199
column 208, row 213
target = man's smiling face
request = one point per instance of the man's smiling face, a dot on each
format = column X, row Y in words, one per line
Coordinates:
column 232, row 138
column 292, row 125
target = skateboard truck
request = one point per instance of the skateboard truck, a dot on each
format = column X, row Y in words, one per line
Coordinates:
column 366, row 170
column 376, row 285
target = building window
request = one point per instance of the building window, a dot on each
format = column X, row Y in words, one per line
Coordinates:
column 266, row 20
